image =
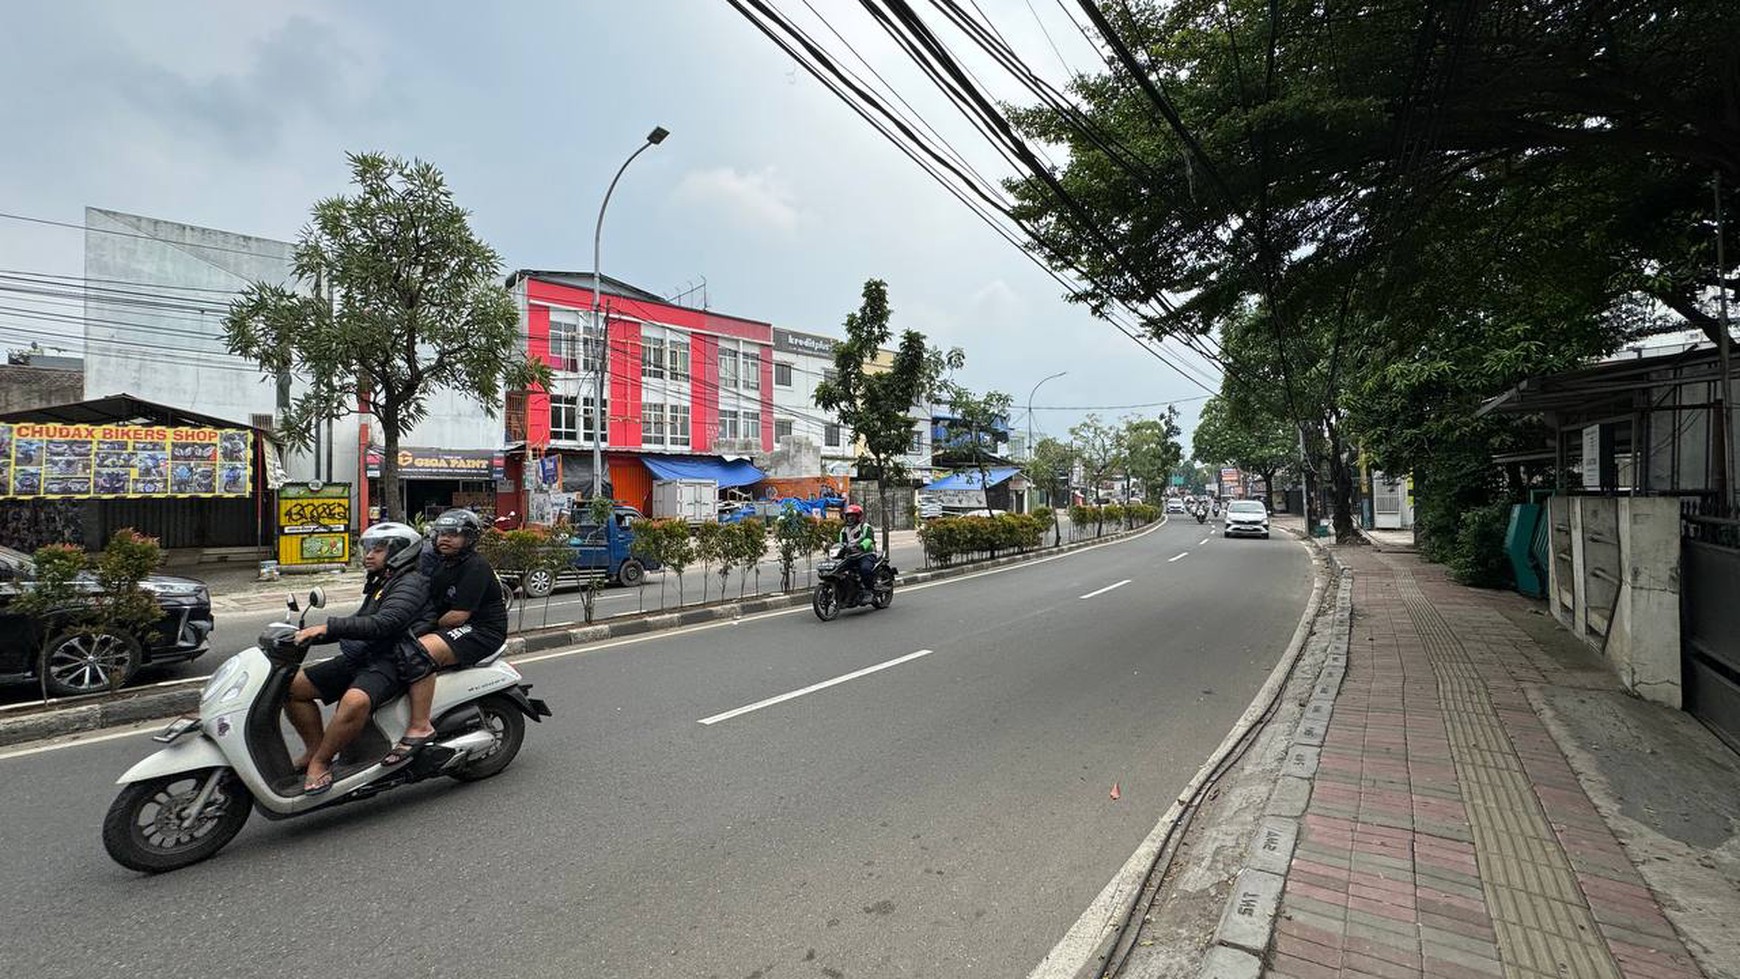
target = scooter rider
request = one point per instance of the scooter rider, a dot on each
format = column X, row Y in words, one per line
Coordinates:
column 471, row 623
column 860, row 541
column 365, row 673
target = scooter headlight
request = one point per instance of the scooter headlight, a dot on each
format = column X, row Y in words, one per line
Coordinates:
column 225, row 680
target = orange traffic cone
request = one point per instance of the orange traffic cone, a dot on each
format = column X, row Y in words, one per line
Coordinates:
column 1115, row 792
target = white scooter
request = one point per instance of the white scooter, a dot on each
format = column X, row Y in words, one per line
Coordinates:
column 183, row 803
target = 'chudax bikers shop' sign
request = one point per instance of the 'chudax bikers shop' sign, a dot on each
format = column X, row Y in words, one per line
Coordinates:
column 56, row 460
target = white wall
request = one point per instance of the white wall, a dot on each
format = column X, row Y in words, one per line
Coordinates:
column 166, row 345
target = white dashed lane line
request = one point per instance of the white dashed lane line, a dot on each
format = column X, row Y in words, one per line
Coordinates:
column 1108, row 588
column 1177, row 556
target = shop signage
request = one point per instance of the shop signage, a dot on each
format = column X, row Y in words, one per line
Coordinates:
column 416, row 462
column 314, row 523
column 124, row 461
column 803, row 343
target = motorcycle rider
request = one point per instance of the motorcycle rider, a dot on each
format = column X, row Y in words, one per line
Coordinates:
column 859, row 539
column 365, row 673
column 470, row 623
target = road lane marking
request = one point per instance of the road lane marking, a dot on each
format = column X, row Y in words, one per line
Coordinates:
column 1202, row 541
column 1177, row 556
column 812, row 688
column 1108, row 588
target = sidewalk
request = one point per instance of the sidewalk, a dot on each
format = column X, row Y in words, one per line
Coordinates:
column 1446, row 833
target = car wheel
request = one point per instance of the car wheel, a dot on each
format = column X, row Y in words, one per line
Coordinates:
column 632, row 574
column 538, row 583
column 77, row 663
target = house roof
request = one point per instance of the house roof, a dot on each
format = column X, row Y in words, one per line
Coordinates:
column 1607, row 388
column 120, row 409
column 616, row 287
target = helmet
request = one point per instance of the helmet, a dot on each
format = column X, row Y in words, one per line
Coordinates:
column 462, row 522
column 404, row 545
column 854, row 510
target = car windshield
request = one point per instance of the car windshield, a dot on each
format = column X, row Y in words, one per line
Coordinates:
column 17, row 559
column 1246, row 506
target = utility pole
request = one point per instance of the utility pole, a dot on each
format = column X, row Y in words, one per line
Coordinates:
column 1724, row 358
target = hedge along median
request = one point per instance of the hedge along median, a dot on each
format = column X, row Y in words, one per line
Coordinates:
column 31, row 722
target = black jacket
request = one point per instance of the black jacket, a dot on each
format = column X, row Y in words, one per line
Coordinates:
column 393, row 605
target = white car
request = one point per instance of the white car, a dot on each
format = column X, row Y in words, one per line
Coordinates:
column 1246, row 518
column 1174, row 505
column 929, row 508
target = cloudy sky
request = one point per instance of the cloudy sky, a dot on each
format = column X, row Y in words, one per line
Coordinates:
column 238, row 115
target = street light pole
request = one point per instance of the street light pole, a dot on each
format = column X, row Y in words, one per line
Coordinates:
column 1052, row 482
column 653, row 138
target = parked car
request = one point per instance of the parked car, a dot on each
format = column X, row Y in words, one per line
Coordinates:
column 1246, row 518
column 80, row 664
column 598, row 550
column 928, row 507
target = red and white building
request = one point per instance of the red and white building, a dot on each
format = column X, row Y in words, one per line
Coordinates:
column 682, row 385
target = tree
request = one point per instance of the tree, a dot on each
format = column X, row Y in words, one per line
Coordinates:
column 1100, row 449
column 977, row 420
column 877, row 405
column 1258, row 443
column 412, row 305
column 1151, row 451
column 1050, row 468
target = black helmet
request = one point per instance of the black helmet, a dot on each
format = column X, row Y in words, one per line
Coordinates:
column 462, row 522
column 404, row 545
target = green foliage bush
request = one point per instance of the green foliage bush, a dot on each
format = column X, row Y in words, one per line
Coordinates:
column 954, row 537
column 120, row 606
column 1477, row 557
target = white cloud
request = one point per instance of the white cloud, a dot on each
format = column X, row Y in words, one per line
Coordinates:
column 756, row 200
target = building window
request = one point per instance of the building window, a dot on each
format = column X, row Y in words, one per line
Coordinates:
column 727, row 369
column 571, row 419
column 652, row 424
column 751, row 426
column 679, row 360
column 830, row 375
column 781, row 375
column 831, row 435
column 728, row 428
column 652, row 357
column 564, row 419
column 678, row 433
column 916, row 445
column 565, row 340
column 751, row 371
column 782, row 428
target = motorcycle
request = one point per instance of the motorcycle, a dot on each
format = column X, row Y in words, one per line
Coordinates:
column 840, row 587
column 186, row 801
column 1201, row 514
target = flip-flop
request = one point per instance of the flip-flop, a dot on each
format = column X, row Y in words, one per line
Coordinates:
column 406, row 749
column 319, row 786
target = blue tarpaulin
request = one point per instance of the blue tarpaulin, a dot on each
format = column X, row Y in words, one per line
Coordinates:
column 968, row 479
column 735, row 473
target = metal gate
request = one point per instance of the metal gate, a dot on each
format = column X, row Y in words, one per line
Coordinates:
column 1710, row 622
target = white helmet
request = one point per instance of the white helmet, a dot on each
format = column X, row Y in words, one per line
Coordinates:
column 404, row 545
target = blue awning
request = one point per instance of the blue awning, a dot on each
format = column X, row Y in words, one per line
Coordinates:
column 737, row 472
column 968, row 479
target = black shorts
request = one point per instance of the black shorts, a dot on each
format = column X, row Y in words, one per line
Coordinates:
column 470, row 644
column 378, row 677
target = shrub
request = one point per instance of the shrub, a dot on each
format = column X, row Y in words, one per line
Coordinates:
column 1477, row 557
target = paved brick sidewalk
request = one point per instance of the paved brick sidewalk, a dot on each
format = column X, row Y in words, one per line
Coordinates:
column 1446, row 835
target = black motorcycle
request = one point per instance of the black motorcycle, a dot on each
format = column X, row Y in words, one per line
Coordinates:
column 840, row 585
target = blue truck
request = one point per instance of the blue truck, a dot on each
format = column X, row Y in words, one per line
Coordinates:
column 599, row 550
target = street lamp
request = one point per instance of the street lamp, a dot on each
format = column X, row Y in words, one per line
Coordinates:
column 653, row 138
column 1053, row 480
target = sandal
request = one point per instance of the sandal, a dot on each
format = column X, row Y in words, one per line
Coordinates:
column 318, row 785
column 406, row 749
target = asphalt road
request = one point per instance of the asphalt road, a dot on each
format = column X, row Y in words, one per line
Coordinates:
column 948, row 814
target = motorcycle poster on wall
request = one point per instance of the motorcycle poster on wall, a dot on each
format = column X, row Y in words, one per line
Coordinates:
column 55, row 460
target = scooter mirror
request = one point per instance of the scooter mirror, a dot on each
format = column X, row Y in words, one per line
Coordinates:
column 290, row 602
column 317, row 598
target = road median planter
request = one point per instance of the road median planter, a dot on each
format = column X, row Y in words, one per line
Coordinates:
column 32, row 722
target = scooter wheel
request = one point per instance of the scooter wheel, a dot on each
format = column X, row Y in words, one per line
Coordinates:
column 882, row 595
column 143, row 829
column 502, row 718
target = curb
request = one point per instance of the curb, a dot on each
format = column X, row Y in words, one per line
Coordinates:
column 1248, row 922
column 178, row 697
